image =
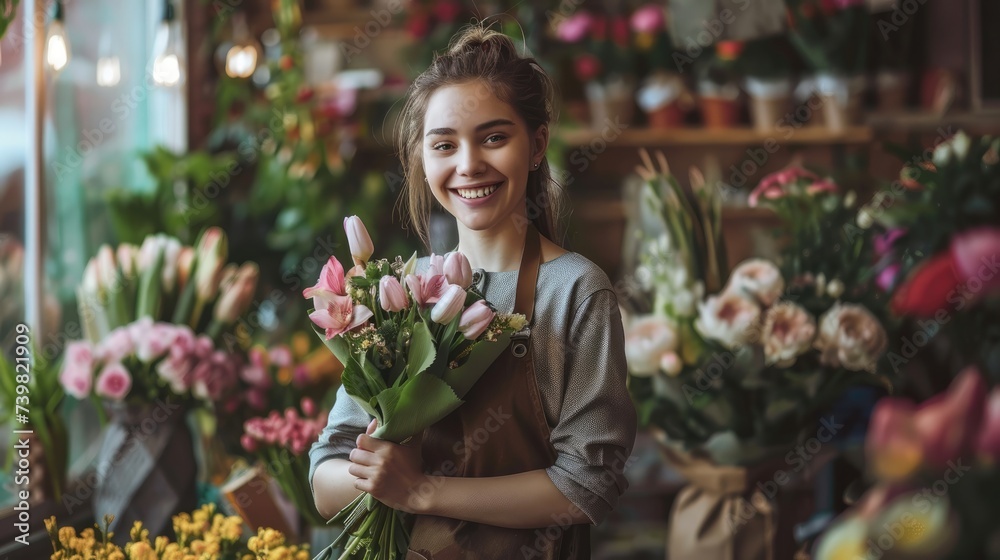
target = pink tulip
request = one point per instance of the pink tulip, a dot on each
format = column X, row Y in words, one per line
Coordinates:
column 236, row 296
column 988, row 442
column 391, row 295
column 449, row 306
column 975, row 254
column 458, row 270
column 185, row 260
column 769, row 193
column 212, row 250
column 114, row 382
column 358, row 240
column 171, row 256
column 356, row 270
column 475, row 320
column 107, row 269
column 575, row 27
column 893, row 445
column 647, row 19
column 435, row 266
column 947, row 422
column 331, row 281
column 125, row 255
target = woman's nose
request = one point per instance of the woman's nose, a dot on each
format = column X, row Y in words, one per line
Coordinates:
column 470, row 163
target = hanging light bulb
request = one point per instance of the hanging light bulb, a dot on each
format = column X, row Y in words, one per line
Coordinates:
column 56, row 42
column 242, row 56
column 168, row 66
column 109, row 68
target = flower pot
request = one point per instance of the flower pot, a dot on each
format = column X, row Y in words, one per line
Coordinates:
column 610, row 101
column 146, row 468
column 720, row 107
column 893, row 90
column 667, row 116
column 770, row 102
column 719, row 112
column 661, row 97
column 841, row 100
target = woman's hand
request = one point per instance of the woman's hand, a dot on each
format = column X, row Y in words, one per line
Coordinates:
column 391, row 472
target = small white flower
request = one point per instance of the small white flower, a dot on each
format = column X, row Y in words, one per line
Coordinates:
column 851, row 337
column 646, row 341
column 757, row 278
column 788, row 332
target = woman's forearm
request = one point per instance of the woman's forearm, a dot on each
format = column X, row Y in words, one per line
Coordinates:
column 518, row 501
column 333, row 487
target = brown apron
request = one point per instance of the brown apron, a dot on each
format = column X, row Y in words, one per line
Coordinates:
column 500, row 430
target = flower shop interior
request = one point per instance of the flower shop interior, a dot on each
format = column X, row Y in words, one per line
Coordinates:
column 796, row 201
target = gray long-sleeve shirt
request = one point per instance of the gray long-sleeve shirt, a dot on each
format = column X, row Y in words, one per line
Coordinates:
column 579, row 357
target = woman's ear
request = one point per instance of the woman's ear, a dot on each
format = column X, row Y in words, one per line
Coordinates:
column 540, row 141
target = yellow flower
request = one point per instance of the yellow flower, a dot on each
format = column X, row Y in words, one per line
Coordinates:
column 300, row 345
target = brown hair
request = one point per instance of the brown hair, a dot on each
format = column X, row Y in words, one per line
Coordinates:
column 479, row 53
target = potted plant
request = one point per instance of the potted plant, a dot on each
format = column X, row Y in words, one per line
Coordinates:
column 604, row 66
column 663, row 94
column 767, row 73
column 832, row 38
column 718, row 85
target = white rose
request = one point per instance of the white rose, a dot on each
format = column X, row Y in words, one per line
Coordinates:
column 728, row 318
column 646, row 341
column 788, row 332
column 850, row 336
column 758, row 278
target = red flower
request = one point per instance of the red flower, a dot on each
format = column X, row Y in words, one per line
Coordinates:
column 419, row 25
column 446, row 12
column 286, row 62
column 926, row 290
column 599, row 28
column 619, row 31
column 587, row 67
column 305, row 94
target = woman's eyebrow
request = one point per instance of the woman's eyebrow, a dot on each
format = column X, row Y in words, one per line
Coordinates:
column 489, row 124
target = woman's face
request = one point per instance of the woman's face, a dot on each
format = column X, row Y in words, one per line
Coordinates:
column 477, row 153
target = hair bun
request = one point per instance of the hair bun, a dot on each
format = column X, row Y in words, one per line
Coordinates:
column 492, row 43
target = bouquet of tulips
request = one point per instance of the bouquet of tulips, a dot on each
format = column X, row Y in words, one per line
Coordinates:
column 155, row 319
column 409, row 354
column 283, row 439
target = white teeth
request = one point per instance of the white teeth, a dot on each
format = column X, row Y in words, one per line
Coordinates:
column 478, row 193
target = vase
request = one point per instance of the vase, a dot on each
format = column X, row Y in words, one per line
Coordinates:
column 841, row 100
column 719, row 103
column 770, row 102
column 146, row 467
column 661, row 96
column 610, row 102
column 893, row 90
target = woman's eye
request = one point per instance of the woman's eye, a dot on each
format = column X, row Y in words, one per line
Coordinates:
column 498, row 138
column 442, row 146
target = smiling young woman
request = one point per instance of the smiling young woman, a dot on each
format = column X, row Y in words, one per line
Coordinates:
column 537, row 452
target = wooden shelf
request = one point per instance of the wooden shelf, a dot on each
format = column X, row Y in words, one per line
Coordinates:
column 649, row 137
column 986, row 122
column 603, row 210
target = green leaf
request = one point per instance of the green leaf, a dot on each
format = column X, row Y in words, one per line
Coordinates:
column 483, row 354
column 421, row 352
column 411, row 407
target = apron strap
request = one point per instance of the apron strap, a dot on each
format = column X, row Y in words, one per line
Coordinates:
column 527, row 275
